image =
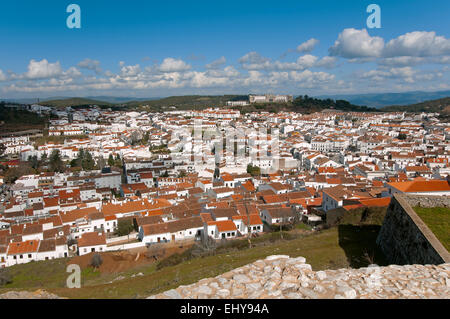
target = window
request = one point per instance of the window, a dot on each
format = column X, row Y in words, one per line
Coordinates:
column 29, row 255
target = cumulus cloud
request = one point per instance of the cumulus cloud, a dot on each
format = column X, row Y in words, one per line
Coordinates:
column 173, row 65
column 352, row 43
column 308, row 46
column 402, row 61
column 129, row 70
column 406, row 74
column 311, row 77
column 418, row 44
column 302, row 63
column 216, row 63
column 254, row 61
column 89, row 64
column 327, row 62
column 43, row 69
column 409, row 49
column 2, row 76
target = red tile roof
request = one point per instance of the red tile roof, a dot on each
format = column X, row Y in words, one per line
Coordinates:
column 25, row 247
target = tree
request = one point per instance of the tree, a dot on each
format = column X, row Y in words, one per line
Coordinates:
column 2, row 149
column 88, row 162
column 55, row 162
column 5, row 277
column 206, row 247
column 44, row 159
column 146, row 138
column 118, row 161
column 253, row 170
column 124, row 227
column 96, row 260
column 166, row 174
column 216, row 173
column 101, row 162
column 13, row 173
column 111, row 160
column 402, row 136
column 34, row 162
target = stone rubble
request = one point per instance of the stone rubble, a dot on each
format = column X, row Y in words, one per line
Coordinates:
column 282, row 277
column 38, row 294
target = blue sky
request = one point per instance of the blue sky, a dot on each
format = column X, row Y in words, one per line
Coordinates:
column 155, row 48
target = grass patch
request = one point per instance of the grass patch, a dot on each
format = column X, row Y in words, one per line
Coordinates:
column 338, row 247
column 303, row 226
column 438, row 220
column 328, row 249
column 38, row 274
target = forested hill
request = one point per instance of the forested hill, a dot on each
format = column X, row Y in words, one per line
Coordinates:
column 441, row 106
column 75, row 102
column 316, row 105
column 305, row 104
column 12, row 119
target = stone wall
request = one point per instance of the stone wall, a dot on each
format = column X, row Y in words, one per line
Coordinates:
column 405, row 239
column 279, row 277
column 427, row 201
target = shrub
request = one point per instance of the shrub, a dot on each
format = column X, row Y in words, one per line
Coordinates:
column 96, row 260
column 156, row 251
column 5, row 277
column 124, row 227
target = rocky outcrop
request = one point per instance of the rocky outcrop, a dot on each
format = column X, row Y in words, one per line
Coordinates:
column 284, row 277
column 38, row 294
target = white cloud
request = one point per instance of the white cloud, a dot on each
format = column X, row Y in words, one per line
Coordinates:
column 352, row 43
column 2, row 76
column 409, row 49
column 89, row 64
column 173, row 65
column 418, row 44
column 308, row 46
column 217, row 63
column 43, row 69
column 402, row 61
column 254, row 61
column 326, row 62
column 312, row 77
column 129, row 70
column 406, row 74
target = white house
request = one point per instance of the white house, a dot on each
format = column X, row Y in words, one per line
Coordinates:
column 277, row 215
column 223, row 229
column 182, row 229
column 22, row 252
column 91, row 242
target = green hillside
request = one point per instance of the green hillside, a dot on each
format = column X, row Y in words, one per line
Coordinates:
column 186, row 102
column 441, row 106
column 75, row 102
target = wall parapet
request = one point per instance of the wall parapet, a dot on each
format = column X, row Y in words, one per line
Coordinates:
column 405, row 239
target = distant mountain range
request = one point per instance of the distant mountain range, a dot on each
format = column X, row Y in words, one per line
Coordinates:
column 441, row 106
column 409, row 102
column 387, row 99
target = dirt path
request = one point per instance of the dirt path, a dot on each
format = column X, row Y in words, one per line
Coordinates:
column 121, row 261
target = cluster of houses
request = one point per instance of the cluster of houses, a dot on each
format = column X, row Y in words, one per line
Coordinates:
column 202, row 186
